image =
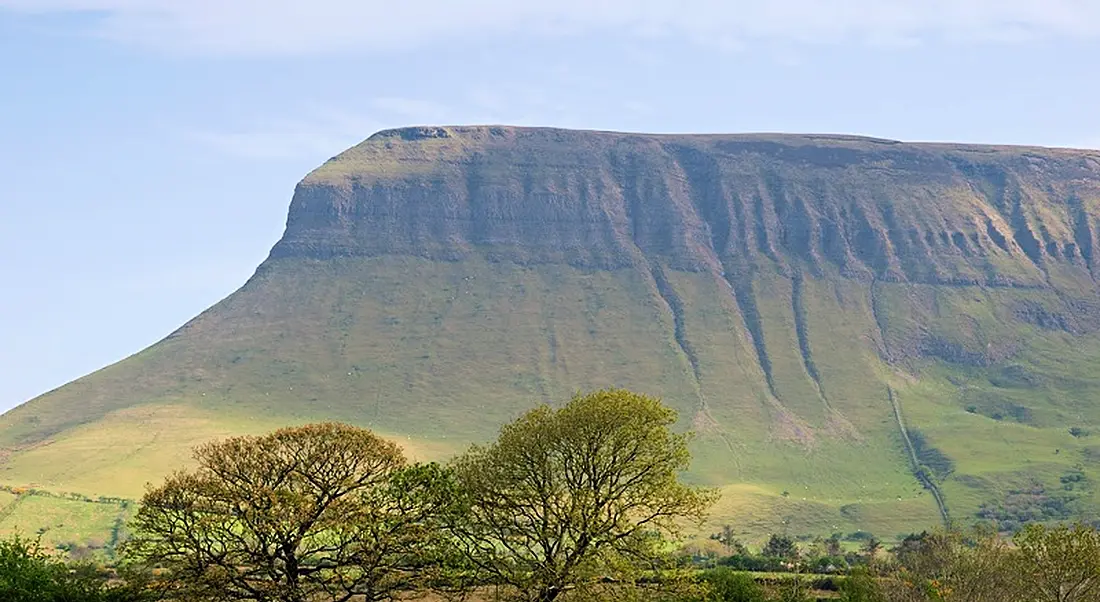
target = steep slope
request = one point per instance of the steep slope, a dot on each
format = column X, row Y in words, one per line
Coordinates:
column 866, row 334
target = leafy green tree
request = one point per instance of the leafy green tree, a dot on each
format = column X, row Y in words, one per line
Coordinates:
column 910, row 543
column 861, row 586
column 725, row 585
column 324, row 511
column 26, row 573
column 29, row 574
column 567, row 497
column 955, row 566
column 824, row 556
column 727, row 538
column 1060, row 564
column 781, row 546
column 871, row 548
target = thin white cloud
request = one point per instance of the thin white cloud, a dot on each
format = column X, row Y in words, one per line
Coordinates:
column 264, row 27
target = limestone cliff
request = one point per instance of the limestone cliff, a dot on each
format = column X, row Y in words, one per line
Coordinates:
column 863, row 208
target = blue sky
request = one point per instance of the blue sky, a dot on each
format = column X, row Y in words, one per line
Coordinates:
column 149, row 148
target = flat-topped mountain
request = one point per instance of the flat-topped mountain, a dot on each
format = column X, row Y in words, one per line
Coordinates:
column 865, row 334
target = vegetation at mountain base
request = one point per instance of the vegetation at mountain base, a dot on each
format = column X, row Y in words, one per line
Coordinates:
column 866, row 335
column 579, row 504
column 941, row 566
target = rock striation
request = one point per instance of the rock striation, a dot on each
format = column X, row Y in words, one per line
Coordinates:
column 858, row 207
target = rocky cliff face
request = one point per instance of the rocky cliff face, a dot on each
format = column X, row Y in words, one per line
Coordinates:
column 858, row 207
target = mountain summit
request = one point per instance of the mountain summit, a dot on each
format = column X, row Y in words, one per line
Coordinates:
column 864, row 333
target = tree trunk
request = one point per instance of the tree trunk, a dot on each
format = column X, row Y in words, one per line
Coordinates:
column 548, row 594
column 293, row 592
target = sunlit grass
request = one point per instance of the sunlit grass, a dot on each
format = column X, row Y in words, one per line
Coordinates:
column 439, row 355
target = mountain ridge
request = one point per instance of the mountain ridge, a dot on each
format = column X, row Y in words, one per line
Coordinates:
column 361, row 182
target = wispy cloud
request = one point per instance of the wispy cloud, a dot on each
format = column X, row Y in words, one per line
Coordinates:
column 295, row 26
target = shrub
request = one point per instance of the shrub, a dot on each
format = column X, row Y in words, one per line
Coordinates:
column 860, row 586
column 749, row 562
column 29, row 574
column 726, row 585
column 794, row 590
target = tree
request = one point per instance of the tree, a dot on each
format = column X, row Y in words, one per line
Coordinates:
column 26, row 573
column 29, row 574
column 824, row 556
column 871, row 548
column 793, row 589
column 725, row 585
column 860, row 586
column 319, row 510
column 1060, row 564
column 911, row 543
column 727, row 538
column 955, row 566
column 780, row 546
column 566, row 497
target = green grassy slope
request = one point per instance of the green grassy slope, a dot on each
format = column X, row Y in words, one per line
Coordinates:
column 441, row 354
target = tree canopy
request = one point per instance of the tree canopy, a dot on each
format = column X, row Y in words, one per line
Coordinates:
column 1059, row 564
column 566, row 496
column 324, row 510
column 975, row 565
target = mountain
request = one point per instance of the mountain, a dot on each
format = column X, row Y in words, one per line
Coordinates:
column 865, row 334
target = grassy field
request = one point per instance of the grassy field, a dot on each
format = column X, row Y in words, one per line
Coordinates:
column 73, row 525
